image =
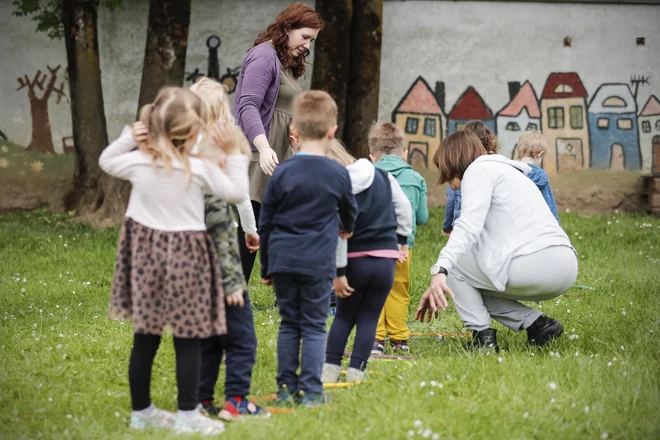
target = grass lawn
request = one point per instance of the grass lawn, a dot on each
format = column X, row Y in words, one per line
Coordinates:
column 63, row 363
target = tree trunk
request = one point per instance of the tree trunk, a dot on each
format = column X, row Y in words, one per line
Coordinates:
column 95, row 196
column 331, row 54
column 42, row 138
column 165, row 52
column 364, row 74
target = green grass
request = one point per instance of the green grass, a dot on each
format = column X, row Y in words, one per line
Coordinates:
column 18, row 165
column 63, row 364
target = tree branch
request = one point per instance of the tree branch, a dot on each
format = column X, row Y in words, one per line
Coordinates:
column 23, row 83
column 39, row 79
column 51, row 83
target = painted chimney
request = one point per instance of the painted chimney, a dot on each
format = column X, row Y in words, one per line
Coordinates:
column 514, row 88
column 440, row 94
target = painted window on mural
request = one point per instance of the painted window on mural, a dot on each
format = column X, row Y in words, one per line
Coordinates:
column 614, row 101
column 411, row 125
column 512, row 126
column 429, row 127
column 576, row 117
column 603, row 123
column 532, row 126
column 563, row 88
column 556, row 117
column 657, row 125
column 624, row 124
column 646, row 126
column 459, row 127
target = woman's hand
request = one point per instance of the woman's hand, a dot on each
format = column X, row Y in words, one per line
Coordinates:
column 235, row 298
column 252, row 242
column 341, row 287
column 268, row 160
column 140, row 132
column 434, row 298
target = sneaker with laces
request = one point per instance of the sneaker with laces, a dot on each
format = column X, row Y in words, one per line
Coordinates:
column 285, row 398
column 378, row 348
column 157, row 419
column 354, row 375
column 400, row 346
column 543, row 330
column 241, row 408
column 313, row 400
column 197, row 423
column 209, row 407
column 330, row 373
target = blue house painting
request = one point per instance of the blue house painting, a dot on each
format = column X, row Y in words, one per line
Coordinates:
column 613, row 127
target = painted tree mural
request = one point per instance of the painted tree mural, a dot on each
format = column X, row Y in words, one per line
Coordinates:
column 42, row 138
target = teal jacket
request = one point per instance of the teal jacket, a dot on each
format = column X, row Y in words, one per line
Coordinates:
column 413, row 185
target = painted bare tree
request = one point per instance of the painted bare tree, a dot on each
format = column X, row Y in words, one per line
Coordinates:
column 167, row 43
column 364, row 74
column 42, row 138
column 331, row 53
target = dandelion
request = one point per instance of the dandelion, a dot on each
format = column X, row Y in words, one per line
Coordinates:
column 552, row 400
column 117, row 414
column 623, row 312
column 568, row 311
column 587, row 409
column 4, row 163
column 411, row 433
column 609, row 364
column 604, row 435
column 552, row 386
column 69, row 416
column 431, row 393
column 499, row 359
column 50, row 399
column 577, row 353
column 22, row 289
column 417, row 424
column 422, row 384
column 525, row 415
column 4, row 149
column 435, row 436
column 427, row 433
column 37, row 166
column 623, row 348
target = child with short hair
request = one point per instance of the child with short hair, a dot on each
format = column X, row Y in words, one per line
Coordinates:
column 162, row 238
column 387, row 151
column 365, row 273
column 240, row 342
column 299, row 228
column 453, row 205
column 531, row 149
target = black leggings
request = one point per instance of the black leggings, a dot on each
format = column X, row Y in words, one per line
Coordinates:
column 247, row 258
column 187, row 370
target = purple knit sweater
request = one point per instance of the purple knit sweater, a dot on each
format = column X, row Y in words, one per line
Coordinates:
column 256, row 91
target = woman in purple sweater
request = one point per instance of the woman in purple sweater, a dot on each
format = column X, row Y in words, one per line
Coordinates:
column 266, row 88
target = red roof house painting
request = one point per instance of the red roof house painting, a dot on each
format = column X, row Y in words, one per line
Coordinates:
column 564, row 111
column 469, row 107
column 420, row 116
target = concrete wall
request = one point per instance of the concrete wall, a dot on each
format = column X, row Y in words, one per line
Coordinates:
column 483, row 45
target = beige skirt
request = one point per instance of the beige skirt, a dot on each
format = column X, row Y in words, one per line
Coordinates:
column 168, row 279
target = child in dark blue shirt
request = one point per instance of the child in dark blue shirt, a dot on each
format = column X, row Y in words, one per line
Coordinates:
column 299, row 230
column 531, row 148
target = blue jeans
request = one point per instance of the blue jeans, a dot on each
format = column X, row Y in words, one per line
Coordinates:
column 303, row 303
column 240, row 344
column 372, row 279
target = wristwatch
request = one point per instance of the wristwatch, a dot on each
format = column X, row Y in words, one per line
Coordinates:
column 437, row 269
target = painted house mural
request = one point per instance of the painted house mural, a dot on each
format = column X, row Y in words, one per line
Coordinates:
column 469, row 107
column 563, row 116
column 421, row 117
column 522, row 113
column 649, row 135
column 613, row 128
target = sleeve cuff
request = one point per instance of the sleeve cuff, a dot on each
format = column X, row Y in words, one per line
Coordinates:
column 401, row 239
column 341, row 271
column 444, row 262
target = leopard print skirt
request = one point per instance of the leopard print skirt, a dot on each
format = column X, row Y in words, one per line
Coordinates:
column 168, row 279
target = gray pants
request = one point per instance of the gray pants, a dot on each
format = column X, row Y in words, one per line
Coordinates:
column 539, row 276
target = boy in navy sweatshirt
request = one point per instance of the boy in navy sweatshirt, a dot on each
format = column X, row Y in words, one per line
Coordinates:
column 299, row 229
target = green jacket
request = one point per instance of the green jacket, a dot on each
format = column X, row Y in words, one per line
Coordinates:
column 413, row 185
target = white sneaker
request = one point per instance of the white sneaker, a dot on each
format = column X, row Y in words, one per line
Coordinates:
column 330, row 373
column 198, row 422
column 355, row 375
column 157, row 419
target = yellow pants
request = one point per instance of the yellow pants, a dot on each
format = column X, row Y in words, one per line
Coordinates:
column 393, row 318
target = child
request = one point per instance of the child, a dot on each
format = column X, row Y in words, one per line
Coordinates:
column 166, row 272
column 453, row 206
column 240, row 342
column 531, row 148
column 365, row 278
column 387, row 152
column 298, row 226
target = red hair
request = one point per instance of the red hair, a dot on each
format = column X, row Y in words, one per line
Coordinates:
column 296, row 16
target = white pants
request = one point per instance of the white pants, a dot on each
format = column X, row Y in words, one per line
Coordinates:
column 539, row 276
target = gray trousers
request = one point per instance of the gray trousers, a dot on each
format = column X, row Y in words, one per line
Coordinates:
column 539, row 276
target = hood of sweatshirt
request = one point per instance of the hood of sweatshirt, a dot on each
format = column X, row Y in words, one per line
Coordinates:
column 362, row 175
column 520, row 166
column 394, row 165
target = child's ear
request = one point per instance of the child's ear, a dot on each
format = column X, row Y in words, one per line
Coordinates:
column 373, row 159
column 332, row 132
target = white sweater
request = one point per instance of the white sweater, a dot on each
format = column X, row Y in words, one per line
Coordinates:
column 503, row 215
column 167, row 201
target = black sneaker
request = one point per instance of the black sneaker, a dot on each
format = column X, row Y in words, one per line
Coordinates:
column 400, row 347
column 378, row 348
column 210, row 409
column 543, row 330
column 484, row 340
